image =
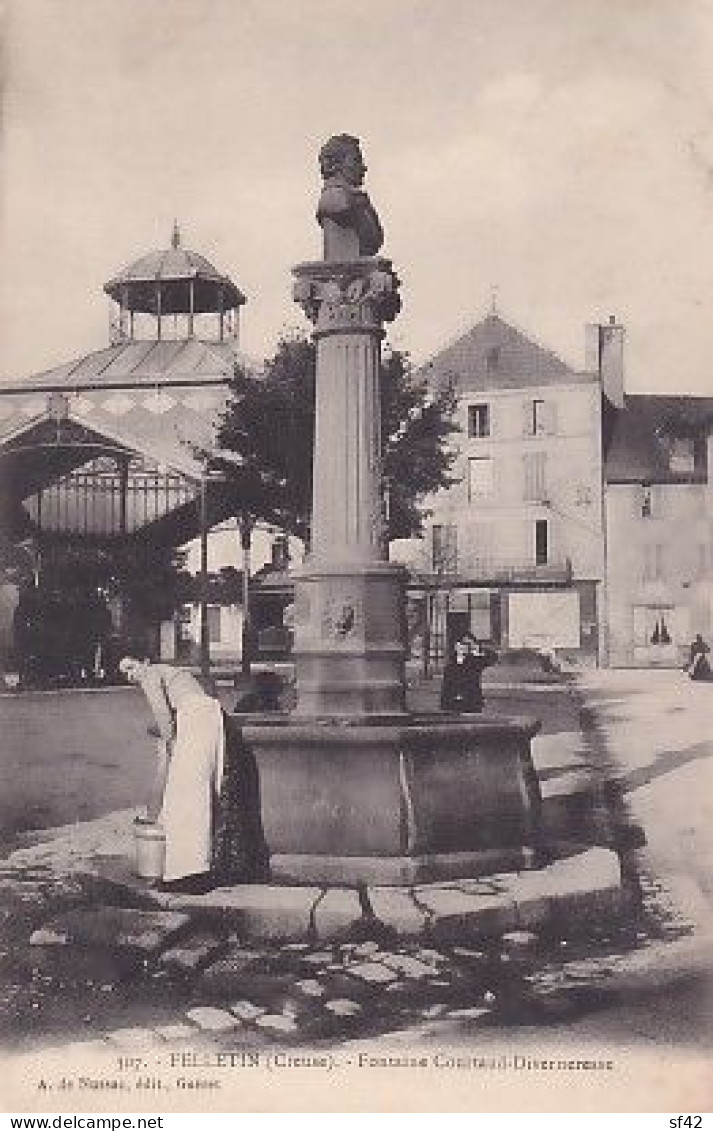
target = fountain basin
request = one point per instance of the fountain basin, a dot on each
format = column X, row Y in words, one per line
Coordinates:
column 395, row 799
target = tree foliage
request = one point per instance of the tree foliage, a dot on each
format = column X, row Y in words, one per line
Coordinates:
column 416, row 424
column 268, row 425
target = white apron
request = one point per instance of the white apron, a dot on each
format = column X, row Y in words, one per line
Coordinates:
column 195, row 772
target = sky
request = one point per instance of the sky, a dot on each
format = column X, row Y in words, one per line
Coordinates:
column 553, row 156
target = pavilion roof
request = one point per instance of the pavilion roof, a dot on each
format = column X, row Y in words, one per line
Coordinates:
column 172, row 269
column 189, row 361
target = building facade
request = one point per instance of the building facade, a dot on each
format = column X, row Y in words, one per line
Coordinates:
column 582, row 517
column 514, row 550
column 659, row 531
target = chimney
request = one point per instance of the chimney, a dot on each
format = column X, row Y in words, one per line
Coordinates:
column 604, row 352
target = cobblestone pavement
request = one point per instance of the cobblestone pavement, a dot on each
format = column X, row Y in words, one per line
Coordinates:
column 152, row 977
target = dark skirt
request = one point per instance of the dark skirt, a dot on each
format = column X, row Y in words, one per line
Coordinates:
column 239, row 853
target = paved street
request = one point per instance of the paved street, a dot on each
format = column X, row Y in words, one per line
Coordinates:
column 653, row 731
column 656, row 728
column 646, row 979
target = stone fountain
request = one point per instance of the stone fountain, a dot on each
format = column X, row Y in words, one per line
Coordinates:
column 354, row 788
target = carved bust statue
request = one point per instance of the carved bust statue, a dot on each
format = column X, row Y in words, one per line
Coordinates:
column 347, row 217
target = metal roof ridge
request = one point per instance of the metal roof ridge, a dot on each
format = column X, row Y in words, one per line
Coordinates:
column 74, row 365
column 142, row 356
column 120, row 348
column 214, row 348
column 182, row 345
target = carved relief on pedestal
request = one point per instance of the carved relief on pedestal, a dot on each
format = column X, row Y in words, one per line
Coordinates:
column 341, row 617
column 361, row 294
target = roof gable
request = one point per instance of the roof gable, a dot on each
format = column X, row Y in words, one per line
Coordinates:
column 494, row 354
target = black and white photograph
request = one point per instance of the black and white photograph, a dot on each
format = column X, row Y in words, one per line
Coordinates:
column 356, row 556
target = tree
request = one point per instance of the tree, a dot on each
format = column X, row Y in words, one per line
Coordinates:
column 416, row 423
column 269, row 426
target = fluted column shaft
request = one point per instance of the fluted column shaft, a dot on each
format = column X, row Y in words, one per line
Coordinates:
column 349, row 647
column 347, row 523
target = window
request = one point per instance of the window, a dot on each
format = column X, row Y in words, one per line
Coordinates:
column 660, row 633
column 542, row 542
column 480, row 547
column 539, row 417
column 445, row 548
column 214, row 612
column 479, row 420
column 480, row 477
column 535, row 474
column 653, row 626
column 682, row 459
column 481, row 619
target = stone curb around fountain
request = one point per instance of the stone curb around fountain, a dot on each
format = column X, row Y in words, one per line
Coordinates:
column 583, row 888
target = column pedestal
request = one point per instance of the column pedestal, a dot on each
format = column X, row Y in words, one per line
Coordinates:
column 349, row 631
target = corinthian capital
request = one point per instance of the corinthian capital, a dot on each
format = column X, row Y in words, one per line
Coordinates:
column 355, row 293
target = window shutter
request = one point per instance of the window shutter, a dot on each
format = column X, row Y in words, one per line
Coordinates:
column 535, row 476
column 551, row 417
column 542, row 475
column 527, row 417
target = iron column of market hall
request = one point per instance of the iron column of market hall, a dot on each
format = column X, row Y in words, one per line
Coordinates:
column 349, row 614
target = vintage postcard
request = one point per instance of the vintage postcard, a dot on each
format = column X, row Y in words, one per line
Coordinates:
column 356, row 556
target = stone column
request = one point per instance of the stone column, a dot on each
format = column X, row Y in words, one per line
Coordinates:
column 349, row 615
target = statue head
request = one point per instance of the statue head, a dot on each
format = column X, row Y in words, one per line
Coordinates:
column 341, row 155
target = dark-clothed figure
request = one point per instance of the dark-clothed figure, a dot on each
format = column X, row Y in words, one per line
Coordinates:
column 462, row 690
column 699, row 667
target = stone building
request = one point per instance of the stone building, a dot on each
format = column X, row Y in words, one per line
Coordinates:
column 582, row 516
column 659, row 531
column 514, row 549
